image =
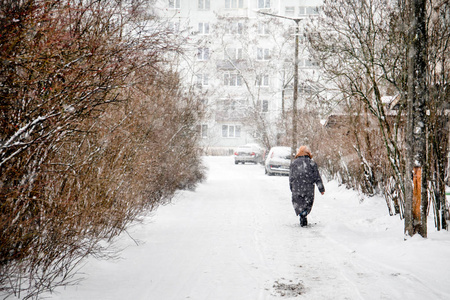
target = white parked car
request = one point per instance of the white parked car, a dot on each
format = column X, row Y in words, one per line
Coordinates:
column 278, row 161
column 248, row 153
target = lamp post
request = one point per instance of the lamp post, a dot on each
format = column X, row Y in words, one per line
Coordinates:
column 295, row 95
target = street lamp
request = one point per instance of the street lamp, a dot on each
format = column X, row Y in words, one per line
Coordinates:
column 295, row 96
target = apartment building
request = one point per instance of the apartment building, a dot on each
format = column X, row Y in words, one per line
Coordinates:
column 240, row 60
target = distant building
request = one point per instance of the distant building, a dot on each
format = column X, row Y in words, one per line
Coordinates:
column 241, row 62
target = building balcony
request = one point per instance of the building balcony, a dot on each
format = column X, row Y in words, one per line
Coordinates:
column 230, row 115
column 227, row 65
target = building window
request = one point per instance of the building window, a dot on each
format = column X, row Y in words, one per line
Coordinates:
column 263, row 28
column 231, row 131
column 234, row 28
column 203, row 4
column 203, row 54
column 308, row 10
column 231, row 109
column 233, row 53
column 290, row 10
column 294, row 30
column 234, row 3
column 239, row 28
column 203, row 28
column 305, row 89
column 232, row 79
column 202, row 80
column 312, row 10
column 175, row 4
column 264, row 105
column 204, row 133
column 174, row 27
column 262, row 80
column 263, row 3
column 202, row 130
column 262, row 54
column 302, row 11
column 301, row 62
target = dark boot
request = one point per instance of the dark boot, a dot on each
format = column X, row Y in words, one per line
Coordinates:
column 303, row 221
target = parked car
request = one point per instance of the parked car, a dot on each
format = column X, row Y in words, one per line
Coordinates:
column 248, row 153
column 278, row 161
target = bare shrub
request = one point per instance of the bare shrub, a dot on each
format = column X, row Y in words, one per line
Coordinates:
column 350, row 149
column 94, row 132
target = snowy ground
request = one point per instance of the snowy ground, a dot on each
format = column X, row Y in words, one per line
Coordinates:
column 237, row 237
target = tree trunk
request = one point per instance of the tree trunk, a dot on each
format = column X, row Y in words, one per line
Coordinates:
column 417, row 201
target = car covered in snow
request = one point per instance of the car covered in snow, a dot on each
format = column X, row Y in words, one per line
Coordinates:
column 278, row 161
column 251, row 153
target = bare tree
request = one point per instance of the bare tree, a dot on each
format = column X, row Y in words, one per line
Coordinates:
column 438, row 131
column 351, row 40
column 364, row 48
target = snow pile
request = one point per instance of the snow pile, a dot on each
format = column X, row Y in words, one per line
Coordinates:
column 237, row 237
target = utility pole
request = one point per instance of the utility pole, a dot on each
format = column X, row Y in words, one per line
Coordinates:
column 295, row 95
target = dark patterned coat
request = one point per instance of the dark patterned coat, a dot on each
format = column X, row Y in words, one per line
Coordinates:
column 302, row 177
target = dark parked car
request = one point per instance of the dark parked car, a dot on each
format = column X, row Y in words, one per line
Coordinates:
column 278, row 161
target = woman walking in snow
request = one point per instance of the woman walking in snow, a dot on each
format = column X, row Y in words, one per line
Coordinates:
column 302, row 177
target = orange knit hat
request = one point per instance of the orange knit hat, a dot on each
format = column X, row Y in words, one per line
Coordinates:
column 304, row 151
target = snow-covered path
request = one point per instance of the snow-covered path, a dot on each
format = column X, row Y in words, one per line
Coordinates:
column 237, row 237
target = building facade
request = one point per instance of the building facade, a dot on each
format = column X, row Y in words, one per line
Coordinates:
column 240, row 59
